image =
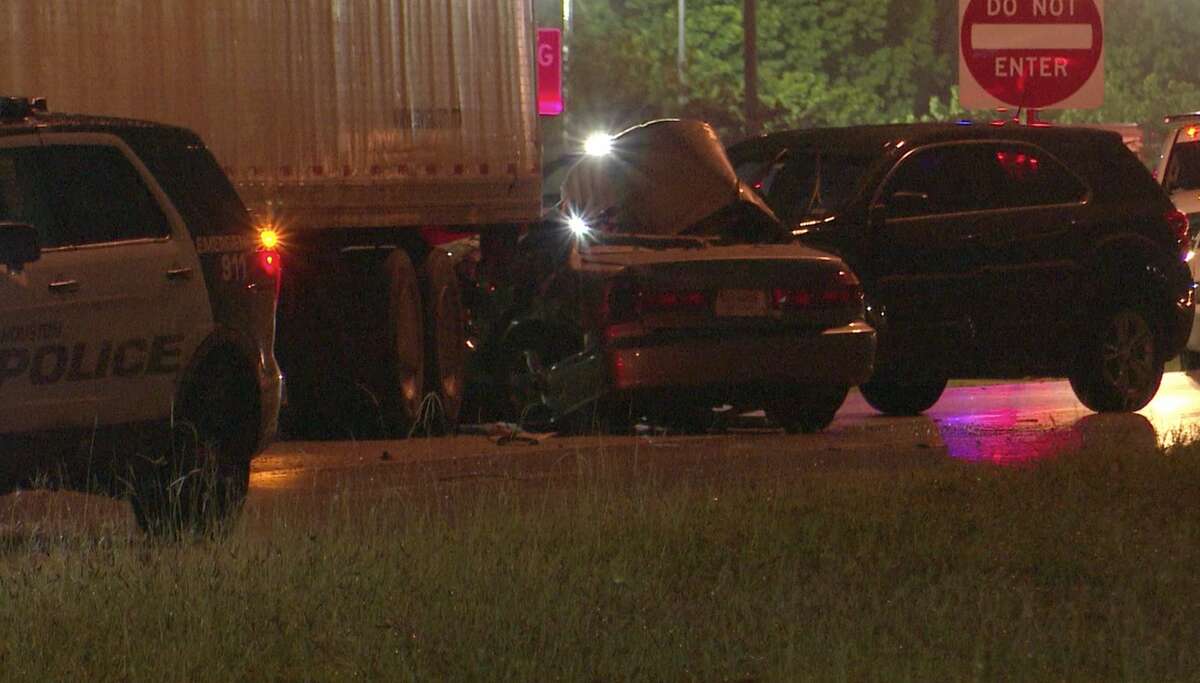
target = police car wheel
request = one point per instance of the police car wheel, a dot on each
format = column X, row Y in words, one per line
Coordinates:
column 199, row 484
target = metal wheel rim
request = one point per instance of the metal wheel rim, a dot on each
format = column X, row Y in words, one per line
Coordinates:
column 1127, row 354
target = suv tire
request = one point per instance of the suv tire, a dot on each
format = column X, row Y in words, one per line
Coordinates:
column 199, row 484
column 1119, row 368
column 892, row 396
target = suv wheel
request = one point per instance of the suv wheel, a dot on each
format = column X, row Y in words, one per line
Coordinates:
column 199, row 484
column 1119, row 369
column 892, row 396
column 807, row 413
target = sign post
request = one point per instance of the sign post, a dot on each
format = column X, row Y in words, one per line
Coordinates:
column 1031, row 54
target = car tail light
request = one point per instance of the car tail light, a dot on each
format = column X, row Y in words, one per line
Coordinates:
column 671, row 301
column 268, row 263
column 625, row 301
column 842, row 290
column 267, row 258
column 1178, row 222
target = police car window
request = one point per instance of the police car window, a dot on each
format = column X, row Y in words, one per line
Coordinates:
column 198, row 189
column 944, row 179
column 1032, row 178
column 22, row 199
column 100, row 197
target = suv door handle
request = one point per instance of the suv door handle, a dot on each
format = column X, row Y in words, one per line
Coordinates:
column 179, row 274
column 64, row 286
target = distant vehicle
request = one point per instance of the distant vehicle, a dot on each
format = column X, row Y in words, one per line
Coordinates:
column 665, row 287
column 137, row 317
column 1179, row 172
column 1002, row 251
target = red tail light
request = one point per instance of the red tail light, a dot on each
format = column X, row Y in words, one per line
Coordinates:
column 844, row 290
column 270, row 268
column 625, row 301
column 268, row 262
column 1177, row 221
column 672, row 301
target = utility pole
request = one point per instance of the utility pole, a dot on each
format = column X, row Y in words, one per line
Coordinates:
column 681, row 58
column 567, row 21
column 750, row 57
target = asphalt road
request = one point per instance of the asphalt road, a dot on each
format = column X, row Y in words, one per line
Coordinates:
column 988, row 423
column 999, row 423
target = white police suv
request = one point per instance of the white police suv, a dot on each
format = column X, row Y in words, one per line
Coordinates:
column 137, row 317
column 1179, row 172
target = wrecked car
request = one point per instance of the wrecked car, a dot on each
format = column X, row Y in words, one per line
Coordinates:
column 664, row 287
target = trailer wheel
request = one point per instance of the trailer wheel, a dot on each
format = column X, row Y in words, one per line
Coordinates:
column 445, row 335
column 406, row 347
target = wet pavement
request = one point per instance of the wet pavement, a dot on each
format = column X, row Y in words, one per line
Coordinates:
column 1015, row 423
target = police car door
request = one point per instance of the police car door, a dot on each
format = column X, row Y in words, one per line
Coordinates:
column 34, row 357
column 133, row 304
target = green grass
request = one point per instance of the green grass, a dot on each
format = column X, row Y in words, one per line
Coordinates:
column 1083, row 568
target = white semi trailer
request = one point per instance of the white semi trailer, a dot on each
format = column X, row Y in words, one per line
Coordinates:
column 347, row 126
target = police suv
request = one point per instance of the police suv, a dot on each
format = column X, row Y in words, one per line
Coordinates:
column 137, row 317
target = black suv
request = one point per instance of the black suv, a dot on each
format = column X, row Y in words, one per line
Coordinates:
column 137, row 317
column 991, row 251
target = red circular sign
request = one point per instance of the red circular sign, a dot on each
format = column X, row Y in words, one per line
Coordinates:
column 1032, row 53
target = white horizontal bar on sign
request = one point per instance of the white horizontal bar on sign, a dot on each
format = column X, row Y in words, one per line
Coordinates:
column 1031, row 36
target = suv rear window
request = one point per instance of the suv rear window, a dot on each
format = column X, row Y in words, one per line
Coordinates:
column 980, row 177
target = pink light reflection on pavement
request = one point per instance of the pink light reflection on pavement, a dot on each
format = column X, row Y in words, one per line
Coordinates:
column 1020, row 423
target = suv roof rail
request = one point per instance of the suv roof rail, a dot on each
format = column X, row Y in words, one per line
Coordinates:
column 1176, row 118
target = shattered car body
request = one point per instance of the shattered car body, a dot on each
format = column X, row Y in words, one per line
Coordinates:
column 666, row 287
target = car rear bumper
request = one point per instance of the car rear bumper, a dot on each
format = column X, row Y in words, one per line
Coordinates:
column 838, row 356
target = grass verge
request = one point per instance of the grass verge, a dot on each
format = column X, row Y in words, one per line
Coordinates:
column 1082, row 568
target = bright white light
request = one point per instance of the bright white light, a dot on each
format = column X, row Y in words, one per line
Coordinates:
column 1190, row 255
column 598, row 144
column 578, row 226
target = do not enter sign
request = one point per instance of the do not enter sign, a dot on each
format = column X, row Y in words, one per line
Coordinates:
column 1032, row 54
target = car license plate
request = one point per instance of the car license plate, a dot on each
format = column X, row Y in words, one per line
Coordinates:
column 741, row 302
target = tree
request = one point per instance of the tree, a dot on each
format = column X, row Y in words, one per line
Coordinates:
column 853, row 61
